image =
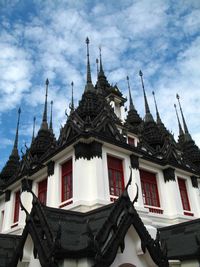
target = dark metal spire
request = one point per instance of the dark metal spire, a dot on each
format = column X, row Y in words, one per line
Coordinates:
column 187, row 134
column 33, row 135
column 179, row 124
column 101, row 72
column 157, row 113
column 44, row 124
column 97, row 62
column 89, row 86
column 71, row 106
column 131, row 106
column 148, row 116
column 51, row 118
column 15, row 147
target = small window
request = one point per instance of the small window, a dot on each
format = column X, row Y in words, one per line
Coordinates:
column 42, row 191
column 67, row 181
column 116, row 176
column 17, row 206
column 184, row 195
column 131, row 141
column 149, row 189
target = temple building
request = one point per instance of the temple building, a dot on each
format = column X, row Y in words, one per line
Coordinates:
column 109, row 191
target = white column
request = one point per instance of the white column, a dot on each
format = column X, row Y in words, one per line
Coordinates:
column 54, row 188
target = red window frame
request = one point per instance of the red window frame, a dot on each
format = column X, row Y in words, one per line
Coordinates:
column 131, row 141
column 17, row 206
column 67, row 181
column 149, row 188
column 115, row 175
column 42, row 191
column 184, row 194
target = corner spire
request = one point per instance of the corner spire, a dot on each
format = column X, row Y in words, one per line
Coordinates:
column 187, row 134
column 157, row 113
column 183, row 119
column 44, row 124
column 179, row 124
column 33, row 135
column 51, row 118
column 71, row 106
column 148, row 116
column 15, row 147
column 97, row 62
column 131, row 106
column 89, row 86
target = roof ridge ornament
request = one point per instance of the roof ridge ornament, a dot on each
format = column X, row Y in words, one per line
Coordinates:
column 89, row 86
column 131, row 106
column 44, row 125
column 148, row 117
column 187, row 134
column 157, row 113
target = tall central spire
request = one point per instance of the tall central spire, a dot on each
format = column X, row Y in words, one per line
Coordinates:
column 187, row 134
column 157, row 113
column 148, row 116
column 89, row 86
column 51, row 118
column 131, row 106
column 15, row 147
column 101, row 72
column 44, row 124
column 33, row 135
column 72, row 101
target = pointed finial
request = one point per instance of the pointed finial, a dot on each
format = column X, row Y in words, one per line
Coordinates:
column 33, row 135
column 89, row 86
column 183, row 119
column 131, row 106
column 97, row 62
column 71, row 106
column 44, row 124
column 17, row 130
column 148, row 116
column 101, row 66
column 179, row 124
column 187, row 134
column 157, row 113
column 51, row 118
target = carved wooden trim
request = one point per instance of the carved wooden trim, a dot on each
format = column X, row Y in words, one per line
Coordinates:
column 169, row 174
column 88, row 151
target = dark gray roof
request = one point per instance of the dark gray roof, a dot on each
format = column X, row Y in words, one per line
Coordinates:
column 8, row 245
column 73, row 227
column 182, row 240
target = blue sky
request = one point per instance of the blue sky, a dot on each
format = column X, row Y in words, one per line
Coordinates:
column 40, row 39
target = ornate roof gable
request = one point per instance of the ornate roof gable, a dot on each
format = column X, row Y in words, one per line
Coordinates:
column 93, row 116
column 102, row 233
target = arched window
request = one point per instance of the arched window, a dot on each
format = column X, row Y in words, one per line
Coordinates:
column 127, row 265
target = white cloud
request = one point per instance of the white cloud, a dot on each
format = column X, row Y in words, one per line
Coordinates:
column 155, row 36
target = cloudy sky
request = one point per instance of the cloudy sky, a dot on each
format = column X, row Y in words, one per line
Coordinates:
column 40, row 39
